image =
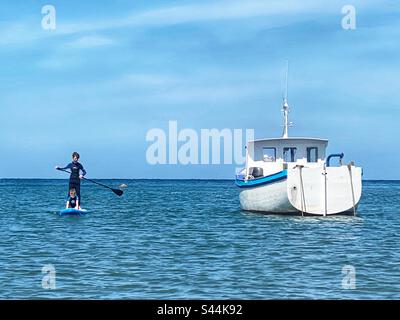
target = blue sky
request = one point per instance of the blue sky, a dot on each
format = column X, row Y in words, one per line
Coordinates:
column 111, row 72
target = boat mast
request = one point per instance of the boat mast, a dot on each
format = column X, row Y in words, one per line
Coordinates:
column 285, row 106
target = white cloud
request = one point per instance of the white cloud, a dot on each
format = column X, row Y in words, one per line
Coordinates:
column 18, row 32
column 211, row 11
column 57, row 63
column 91, row 41
column 276, row 12
column 288, row 11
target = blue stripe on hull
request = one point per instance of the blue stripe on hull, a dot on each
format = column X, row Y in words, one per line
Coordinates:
column 282, row 175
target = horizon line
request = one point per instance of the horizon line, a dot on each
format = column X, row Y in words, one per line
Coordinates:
column 205, row 179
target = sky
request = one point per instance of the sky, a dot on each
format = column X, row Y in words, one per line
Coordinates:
column 110, row 72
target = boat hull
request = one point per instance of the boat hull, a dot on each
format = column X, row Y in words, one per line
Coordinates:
column 312, row 191
column 270, row 198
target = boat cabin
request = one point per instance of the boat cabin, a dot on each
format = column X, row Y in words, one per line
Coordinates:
column 268, row 156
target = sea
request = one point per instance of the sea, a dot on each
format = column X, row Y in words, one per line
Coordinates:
column 189, row 239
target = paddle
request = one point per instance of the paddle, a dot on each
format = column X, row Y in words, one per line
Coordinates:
column 116, row 191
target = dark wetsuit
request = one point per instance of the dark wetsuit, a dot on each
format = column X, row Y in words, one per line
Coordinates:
column 73, row 201
column 74, row 181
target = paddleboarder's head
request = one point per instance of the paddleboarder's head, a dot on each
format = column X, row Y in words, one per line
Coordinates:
column 75, row 156
column 72, row 192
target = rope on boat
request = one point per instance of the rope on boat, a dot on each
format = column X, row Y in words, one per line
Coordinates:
column 247, row 165
column 303, row 198
column 352, row 187
column 326, row 191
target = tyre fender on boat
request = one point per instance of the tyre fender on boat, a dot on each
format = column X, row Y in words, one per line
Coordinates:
column 324, row 191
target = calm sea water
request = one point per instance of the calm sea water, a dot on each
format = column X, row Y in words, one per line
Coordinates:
column 166, row 239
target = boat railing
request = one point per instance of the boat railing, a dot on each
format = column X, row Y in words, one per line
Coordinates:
column 334, row 155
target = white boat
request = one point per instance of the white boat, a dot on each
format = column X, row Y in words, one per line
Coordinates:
column 294, row 175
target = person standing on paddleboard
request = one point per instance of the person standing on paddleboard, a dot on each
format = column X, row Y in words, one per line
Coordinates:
column 76, row 176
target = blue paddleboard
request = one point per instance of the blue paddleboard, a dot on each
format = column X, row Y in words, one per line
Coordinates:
column 72, row 211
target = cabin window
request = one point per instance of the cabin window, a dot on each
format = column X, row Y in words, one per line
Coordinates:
column 269, row 154
column 289, row 154
column 312, row 154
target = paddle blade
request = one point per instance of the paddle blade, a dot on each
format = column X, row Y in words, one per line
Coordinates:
column 118, row 192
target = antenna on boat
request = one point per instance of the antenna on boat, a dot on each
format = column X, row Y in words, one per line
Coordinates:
column 285, row 106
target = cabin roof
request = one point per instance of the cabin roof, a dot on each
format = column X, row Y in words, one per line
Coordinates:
column 294, row 139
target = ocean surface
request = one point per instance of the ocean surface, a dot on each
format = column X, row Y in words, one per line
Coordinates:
column 171, row 239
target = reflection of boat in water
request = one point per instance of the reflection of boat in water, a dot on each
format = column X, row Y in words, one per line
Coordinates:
column 293, row 175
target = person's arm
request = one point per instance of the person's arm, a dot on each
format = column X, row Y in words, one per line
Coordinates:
column 83, row 171
column 68, row 205
column 77, row 204
column 68, row 166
